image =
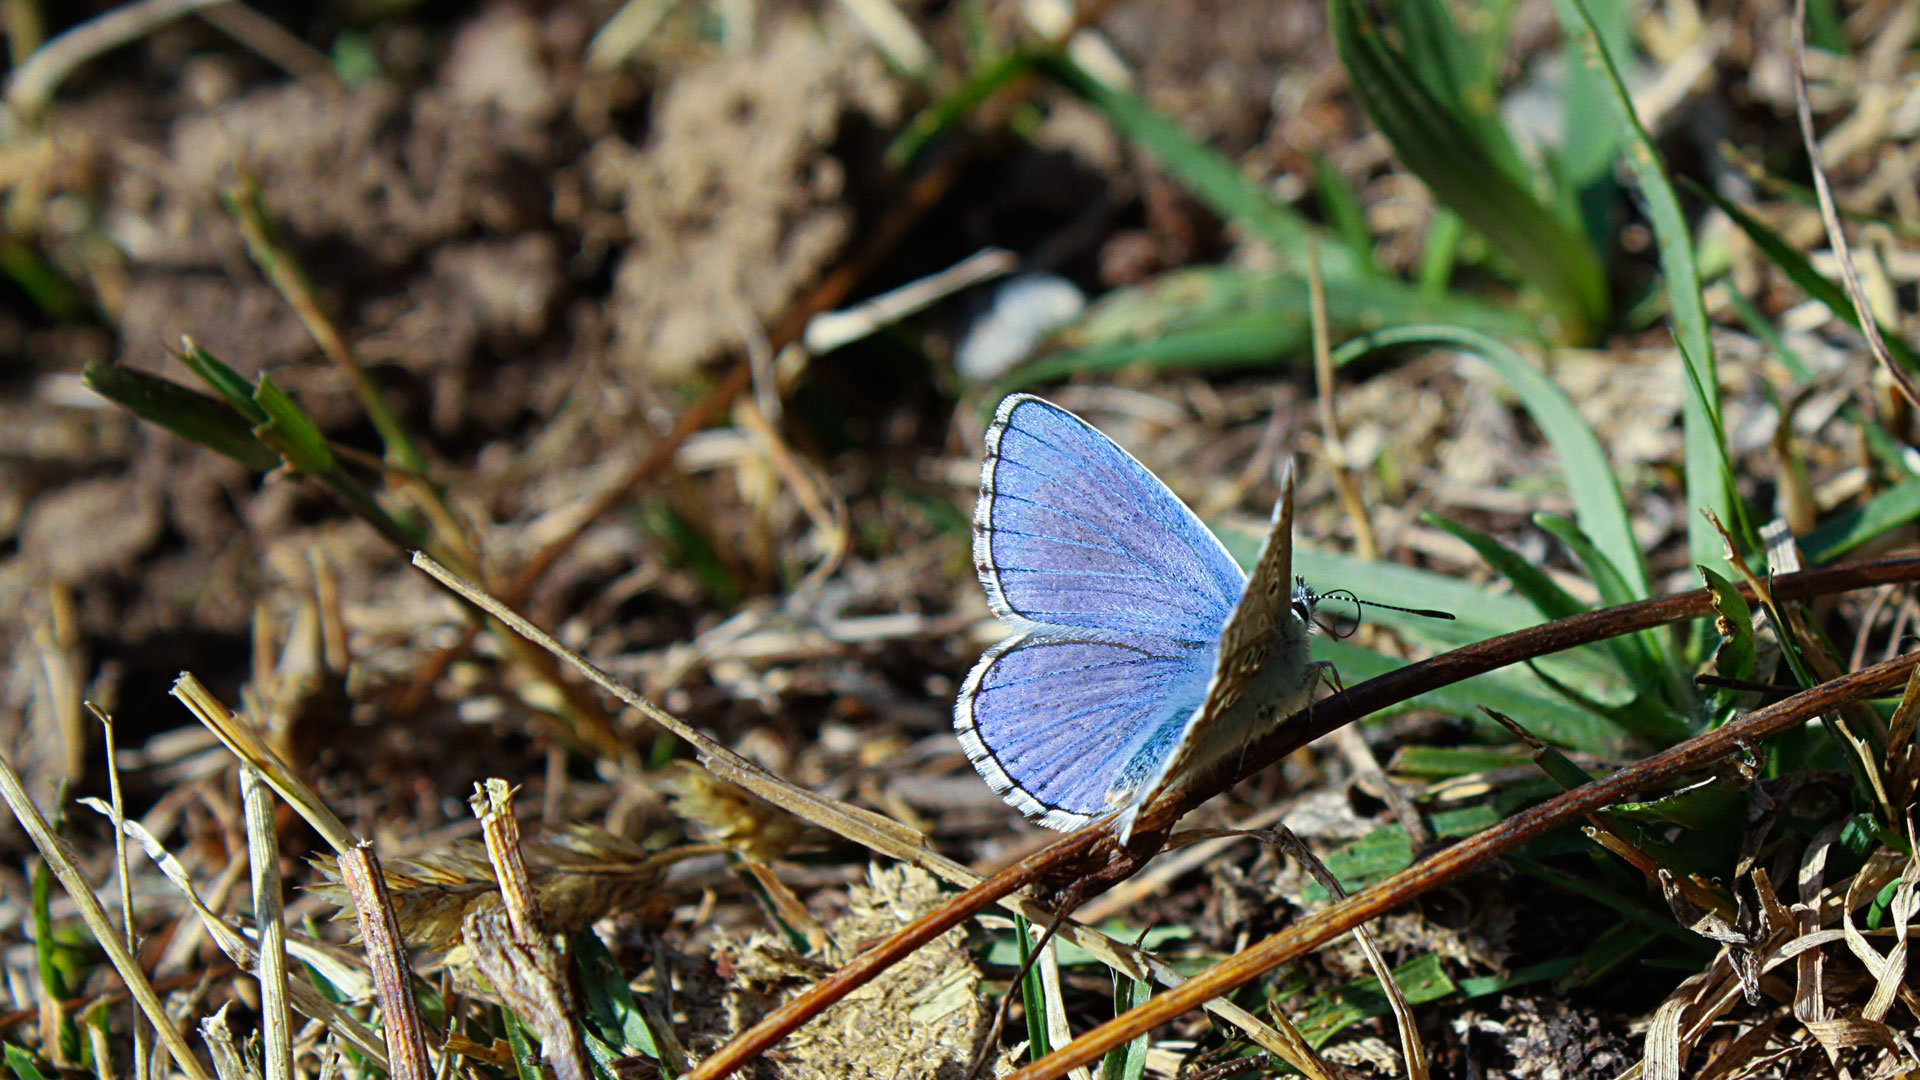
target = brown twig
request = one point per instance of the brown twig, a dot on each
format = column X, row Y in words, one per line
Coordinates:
column 1092, row 853
column 1454, row 862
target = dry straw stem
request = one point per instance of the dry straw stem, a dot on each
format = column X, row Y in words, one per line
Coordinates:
column 245, row 743
column 241, row 951
column 61, row 862
column 1092, row 860
column 880, row 834
column 1830, row 216
column 387, row 956
column 519, row 958
column 263, row 856
column 1470, row 854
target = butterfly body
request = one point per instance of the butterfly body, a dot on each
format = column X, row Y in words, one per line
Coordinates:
column 1140, row 652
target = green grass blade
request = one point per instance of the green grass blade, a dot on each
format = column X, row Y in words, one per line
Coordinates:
column 1598, row 503
column 1449, row 150
column 291, row 431
column 185, row 412
column 1851, row 528
column 1344, row 211
column 1220, row 318
column 1215, row 180
column 224, row 380
column 610, row 1005
column 1420, row 980
column 1128, row 1061
column 1544, row 712
column 20, row 1061
column 1527, row 579
column 1705, row 489
column 1033, row 992
column 941, row 116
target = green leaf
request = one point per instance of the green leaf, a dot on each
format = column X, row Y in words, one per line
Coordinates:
column 289, row 430
column 1734, row 659
column 1033, row 992
column 1470, row 167
column 1705, row 486
column 1128, row 1061
column 1853, row 527
column 187, row 413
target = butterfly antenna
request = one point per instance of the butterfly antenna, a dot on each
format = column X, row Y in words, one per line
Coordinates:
column 1347, row 595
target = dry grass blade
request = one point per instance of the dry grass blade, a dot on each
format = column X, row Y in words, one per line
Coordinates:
column 242, row 952
column 1412, row 1053
column 246, row 744
column 32, row 84
column 1366, row 541
column 263, row 856
column 860, row 826
column 1454, row 862
column 60, row 861
column 1830, row 216
column 140, row 1063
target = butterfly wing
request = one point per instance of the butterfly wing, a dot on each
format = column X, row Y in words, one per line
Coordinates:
column 1117, row 594
column 1263, row 671
column 1053, row 720
column 1072, row 531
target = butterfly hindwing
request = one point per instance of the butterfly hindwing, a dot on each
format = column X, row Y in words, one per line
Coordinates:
column 1052, row 720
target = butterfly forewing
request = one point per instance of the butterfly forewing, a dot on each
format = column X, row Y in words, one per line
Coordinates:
column 1072, row 531
column 1118, row 593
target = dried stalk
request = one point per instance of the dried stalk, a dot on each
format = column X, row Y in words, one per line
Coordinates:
column 1469, row 855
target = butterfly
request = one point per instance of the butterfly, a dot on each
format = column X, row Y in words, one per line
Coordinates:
column 1139, row 651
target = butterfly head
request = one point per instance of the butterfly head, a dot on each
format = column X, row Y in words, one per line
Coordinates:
column 1304, row 602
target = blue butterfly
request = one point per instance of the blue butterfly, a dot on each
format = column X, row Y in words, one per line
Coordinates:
column 1139, row 651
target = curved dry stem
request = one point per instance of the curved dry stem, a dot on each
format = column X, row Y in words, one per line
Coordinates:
column 1092, row 860
column 1470, row 854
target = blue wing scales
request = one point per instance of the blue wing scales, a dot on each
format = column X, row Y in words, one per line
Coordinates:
column 1118, row 594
